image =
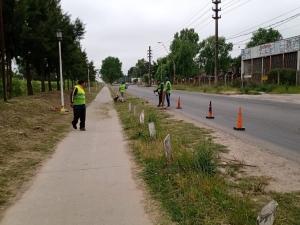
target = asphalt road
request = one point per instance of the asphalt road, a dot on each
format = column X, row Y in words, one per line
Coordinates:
column 273, row 126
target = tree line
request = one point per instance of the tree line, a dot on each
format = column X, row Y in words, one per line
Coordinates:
column 189, row 57
column 28, row 39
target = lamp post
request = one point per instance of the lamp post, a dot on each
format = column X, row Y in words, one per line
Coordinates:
column 169, row 55
column 59, row 39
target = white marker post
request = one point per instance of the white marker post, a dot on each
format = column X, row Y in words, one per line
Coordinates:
column 152, row 129
column 142, row 117
column 267, row 214
column 168, row 148
column 129, row 106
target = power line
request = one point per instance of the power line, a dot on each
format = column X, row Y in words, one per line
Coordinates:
column 223, row 14
column 239, row 43
column 281, row 22
column 236, row 7
column 264, row 22
column 164, row 40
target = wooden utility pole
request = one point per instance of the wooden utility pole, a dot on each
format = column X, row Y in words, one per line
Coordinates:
column 216, row 17
column 2, row 53
column 149, row 70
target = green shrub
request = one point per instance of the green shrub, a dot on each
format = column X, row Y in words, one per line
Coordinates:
column 252, row 84
column 244, row 90
column 18, row 87
column 266, row 88
column 286, row 75
column 204, row 160
column 237, row 82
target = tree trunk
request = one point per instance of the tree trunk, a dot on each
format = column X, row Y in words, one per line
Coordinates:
column 49, row 79
column 43, row 88
column 2, row 53
column 28, row 77
column 10, row 75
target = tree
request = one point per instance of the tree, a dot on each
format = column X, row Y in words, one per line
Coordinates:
column 142, row 67
column 184, row 49
column 236, row 63
column 206, row 58
column 162, row 68
column 263, row 36
column 111, row 69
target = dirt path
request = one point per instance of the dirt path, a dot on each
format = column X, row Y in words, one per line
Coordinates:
column 283, row 173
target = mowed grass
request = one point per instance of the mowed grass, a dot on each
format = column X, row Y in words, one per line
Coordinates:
column 30, row 129
column 190, row 186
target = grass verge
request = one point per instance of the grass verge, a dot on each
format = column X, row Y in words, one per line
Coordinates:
column 30, row 129
column 191, row 187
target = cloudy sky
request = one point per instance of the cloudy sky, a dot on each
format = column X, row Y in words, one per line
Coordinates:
column 126, row 28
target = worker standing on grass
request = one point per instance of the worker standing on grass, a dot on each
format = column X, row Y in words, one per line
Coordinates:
column 168, row 91
column 122, row 90
column 77, row 99
column 159, row 90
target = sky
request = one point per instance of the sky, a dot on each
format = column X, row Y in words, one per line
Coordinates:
column 126, row 28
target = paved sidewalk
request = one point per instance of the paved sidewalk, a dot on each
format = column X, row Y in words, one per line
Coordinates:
column 88, row 180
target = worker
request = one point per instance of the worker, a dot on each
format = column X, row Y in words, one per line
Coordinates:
column 77, row 99
column 159, row 90
column 168, row 91
column 122, row 90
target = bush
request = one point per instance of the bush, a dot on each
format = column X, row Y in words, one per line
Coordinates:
column 286, row 75
column 251, row 84
column 18, row 87
column 245, row 90
column 204, row 161
column 266, row 88
column 237, row 82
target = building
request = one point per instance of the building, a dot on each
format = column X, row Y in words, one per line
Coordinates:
column 259, row 60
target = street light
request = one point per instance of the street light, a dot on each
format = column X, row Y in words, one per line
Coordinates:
column 59, row 39
column 169, row 55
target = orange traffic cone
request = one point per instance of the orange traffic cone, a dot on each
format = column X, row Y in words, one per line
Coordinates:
column 209, row 115
column 178, row 105
column 239, row 125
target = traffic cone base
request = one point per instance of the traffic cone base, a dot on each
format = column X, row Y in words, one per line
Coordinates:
column 209, row 115
column 239, row 125
column 241, row 128
column 178, row 105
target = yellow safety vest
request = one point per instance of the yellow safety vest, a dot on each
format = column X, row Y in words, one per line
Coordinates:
column 79, row 98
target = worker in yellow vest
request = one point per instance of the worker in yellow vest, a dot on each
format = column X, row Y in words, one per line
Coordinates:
column 168, row 91
column 77, row 99
column 122, row 90
column 159, row 90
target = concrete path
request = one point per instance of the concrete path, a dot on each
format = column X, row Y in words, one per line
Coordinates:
column 87, row 181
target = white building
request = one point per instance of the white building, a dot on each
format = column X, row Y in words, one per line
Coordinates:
column 259, row 60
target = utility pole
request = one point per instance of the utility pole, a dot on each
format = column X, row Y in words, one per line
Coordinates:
column 216, row 17
column 149, row 55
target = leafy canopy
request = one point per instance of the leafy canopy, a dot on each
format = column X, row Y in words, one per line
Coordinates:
column 206, row 58
column 263, row 36
column 111, row 69
column 184, row 49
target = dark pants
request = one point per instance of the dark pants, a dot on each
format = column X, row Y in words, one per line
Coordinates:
column 79, row 114
column 160, row 98
column 168, row 95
